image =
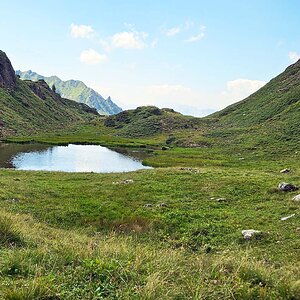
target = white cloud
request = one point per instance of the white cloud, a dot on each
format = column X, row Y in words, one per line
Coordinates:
column 129, row 40
column 92, row 57
column 173, row 31
column 239, row 89
column 81, row 31
column 197, row 37
column 294, row 56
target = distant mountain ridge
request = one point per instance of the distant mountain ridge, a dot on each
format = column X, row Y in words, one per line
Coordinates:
column 27, row 107
column 75, row 90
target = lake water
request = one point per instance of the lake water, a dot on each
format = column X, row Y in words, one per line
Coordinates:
column 71, row 158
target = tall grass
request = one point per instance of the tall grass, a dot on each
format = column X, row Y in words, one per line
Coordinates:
column 9, row 235
column 68, row 264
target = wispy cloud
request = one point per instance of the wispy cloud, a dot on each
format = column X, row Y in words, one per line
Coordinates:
column 81, row 31
column 173, row 31
column 241, row 88
column 199, row 36
column 294, row 56
column 92, row 57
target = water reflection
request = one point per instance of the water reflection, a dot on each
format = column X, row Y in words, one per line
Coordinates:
column 71, row 158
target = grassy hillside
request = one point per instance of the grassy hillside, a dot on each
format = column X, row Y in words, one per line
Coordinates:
column 277, row 101
column 76, row 90
column 29, row 107
column 149, row 121
column 269, row 116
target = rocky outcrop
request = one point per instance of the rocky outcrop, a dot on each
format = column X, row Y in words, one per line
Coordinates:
column 287, row 187
column 36, row 88
column 7, row 73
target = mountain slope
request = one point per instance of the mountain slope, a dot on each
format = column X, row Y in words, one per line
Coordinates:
column 27, row 107
column 76, row 90
column 278, row 101
column 268, row 120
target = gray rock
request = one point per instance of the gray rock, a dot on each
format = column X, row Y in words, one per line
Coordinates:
column 192, row 170
column 296, row 198
column 13, row 200
column 162, row 205
column 287, row 187
column 148, row 205
column 284, row 171
column 126, row 181
column 221, row 200
column 250, row 233
column 288, row 217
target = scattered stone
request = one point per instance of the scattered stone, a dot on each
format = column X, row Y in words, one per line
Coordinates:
column 288, row 217
column 13, row 200
column 212, row 198
column 287, row 187
column 241, row 158
column 165, row 148
column 192, row 170
column 148, row 205
column 162, row 205
column 17, row 179
column 126, row 181
column 221, row 200
column 296, row 198
column 284, row 171
column 250, row 233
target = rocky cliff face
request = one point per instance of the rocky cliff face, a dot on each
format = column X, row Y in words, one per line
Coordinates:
column 7, row 73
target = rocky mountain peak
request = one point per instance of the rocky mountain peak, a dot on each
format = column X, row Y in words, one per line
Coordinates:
column 7, row 73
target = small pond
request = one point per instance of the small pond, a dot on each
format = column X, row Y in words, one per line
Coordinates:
column 71, row 158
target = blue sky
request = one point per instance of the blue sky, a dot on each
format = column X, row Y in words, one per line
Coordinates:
column 194, row 56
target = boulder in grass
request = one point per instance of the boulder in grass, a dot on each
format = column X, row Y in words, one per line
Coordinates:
column 250, row 233
column 284, row 171
column 287, row 187
column 297, row 198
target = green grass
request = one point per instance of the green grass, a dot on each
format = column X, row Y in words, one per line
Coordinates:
column 9, row 236
column 87, row 238
column 68, row 264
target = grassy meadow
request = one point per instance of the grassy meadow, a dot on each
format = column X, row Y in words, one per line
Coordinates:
column 172, row 232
